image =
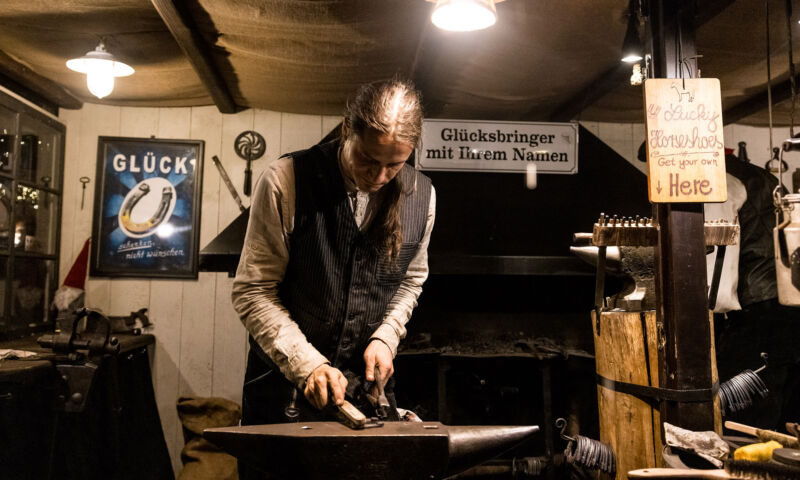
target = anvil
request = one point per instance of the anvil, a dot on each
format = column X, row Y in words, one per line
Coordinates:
column 394, row 451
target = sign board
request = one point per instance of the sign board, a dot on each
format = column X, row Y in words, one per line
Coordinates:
column 685, row 149
column 147, row 208
column 476, row 146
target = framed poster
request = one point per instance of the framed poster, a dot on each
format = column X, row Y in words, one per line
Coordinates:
column 147, row 207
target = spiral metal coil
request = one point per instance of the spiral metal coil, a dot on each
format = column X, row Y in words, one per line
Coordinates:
column 528, row 467
column 588, row 453
column 739, row 392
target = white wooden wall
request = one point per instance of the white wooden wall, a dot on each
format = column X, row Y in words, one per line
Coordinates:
column 200, row 343
column 758, row 148
column 625, row 139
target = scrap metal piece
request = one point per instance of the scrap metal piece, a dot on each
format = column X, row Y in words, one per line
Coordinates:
column 127, row 323
column 398, row 451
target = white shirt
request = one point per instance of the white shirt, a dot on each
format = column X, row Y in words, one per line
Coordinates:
column 263, row 263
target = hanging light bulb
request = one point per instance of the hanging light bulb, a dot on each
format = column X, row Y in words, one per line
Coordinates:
column 100, row 68
column 464, row 15
column 632, row 49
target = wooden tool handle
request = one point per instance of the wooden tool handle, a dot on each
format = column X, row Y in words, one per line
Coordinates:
column 352, row 416
column 248, row 182
column 679, row 473
column 740, row 427
column 787, row 441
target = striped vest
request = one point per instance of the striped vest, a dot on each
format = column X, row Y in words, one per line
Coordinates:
column 337, row 283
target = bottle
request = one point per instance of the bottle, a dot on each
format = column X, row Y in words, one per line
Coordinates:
column 786, row 237
column 796, row 181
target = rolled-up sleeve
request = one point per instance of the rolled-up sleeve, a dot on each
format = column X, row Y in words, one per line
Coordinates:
column 262, row 267
column 398, row 312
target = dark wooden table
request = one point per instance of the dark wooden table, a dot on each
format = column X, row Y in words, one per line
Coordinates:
column 119, row 427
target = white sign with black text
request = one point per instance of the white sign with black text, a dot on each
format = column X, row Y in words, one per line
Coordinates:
column 471, row 145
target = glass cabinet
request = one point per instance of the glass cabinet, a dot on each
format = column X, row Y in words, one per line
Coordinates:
column 31, row 165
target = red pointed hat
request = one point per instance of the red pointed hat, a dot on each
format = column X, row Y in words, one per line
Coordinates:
column 76, row 277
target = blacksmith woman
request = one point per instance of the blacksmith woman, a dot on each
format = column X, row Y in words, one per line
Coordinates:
column 334, row 259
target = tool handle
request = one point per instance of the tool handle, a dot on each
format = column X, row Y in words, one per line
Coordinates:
column 248, row 180
column 352, row 416
column 678, row 473
column 764, row 435
column 740, row 427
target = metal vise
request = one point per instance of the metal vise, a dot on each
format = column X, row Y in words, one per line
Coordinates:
column 78, row 356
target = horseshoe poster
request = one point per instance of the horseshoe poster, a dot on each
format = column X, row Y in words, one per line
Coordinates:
column 147, row 207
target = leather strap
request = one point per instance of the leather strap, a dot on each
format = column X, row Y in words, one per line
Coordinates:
column 658, row 394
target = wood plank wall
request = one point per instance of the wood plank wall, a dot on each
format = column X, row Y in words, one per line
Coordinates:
column 201, row 345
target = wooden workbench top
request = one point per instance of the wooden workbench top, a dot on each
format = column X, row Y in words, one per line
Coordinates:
column 32, row 368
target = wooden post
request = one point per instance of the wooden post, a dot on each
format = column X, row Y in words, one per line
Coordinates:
column 682, row 304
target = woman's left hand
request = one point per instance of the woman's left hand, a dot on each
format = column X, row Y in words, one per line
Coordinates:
column 378, row 354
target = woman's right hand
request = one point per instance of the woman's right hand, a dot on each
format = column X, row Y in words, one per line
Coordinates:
column 325, row 379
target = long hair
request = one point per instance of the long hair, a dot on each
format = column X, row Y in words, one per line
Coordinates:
column 393, row 108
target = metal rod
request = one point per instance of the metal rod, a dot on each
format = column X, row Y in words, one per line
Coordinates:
column 718, row 263
column 226, row 179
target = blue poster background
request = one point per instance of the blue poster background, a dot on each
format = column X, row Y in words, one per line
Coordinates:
column 170, row 247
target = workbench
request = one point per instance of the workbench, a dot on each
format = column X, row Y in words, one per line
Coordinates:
column 108, row 440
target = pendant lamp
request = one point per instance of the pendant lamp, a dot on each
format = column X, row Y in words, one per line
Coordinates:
column 464, row 15
column 100, row 67
column 632, row 50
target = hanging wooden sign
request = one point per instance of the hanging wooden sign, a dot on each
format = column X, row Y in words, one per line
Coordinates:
column 685, row 149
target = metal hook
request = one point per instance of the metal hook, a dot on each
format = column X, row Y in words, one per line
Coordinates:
column 562, row 424
column 764, row 358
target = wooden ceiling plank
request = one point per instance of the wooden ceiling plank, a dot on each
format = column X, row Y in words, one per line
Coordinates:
column 195, row 49
column 39, row 85
column 612, row 78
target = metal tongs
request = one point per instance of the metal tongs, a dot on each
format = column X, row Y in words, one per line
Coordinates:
column 352, row 416
column 379, row 401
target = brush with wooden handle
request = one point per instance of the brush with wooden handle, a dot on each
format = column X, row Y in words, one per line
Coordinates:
column 679, row 473
column 764, row 435
column 734, row 469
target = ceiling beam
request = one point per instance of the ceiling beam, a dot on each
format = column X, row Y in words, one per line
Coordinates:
column 708, row 9
column 598, row 88
column 617, row 75
column 45, row 88
column 193, row 45
column 758, row 102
